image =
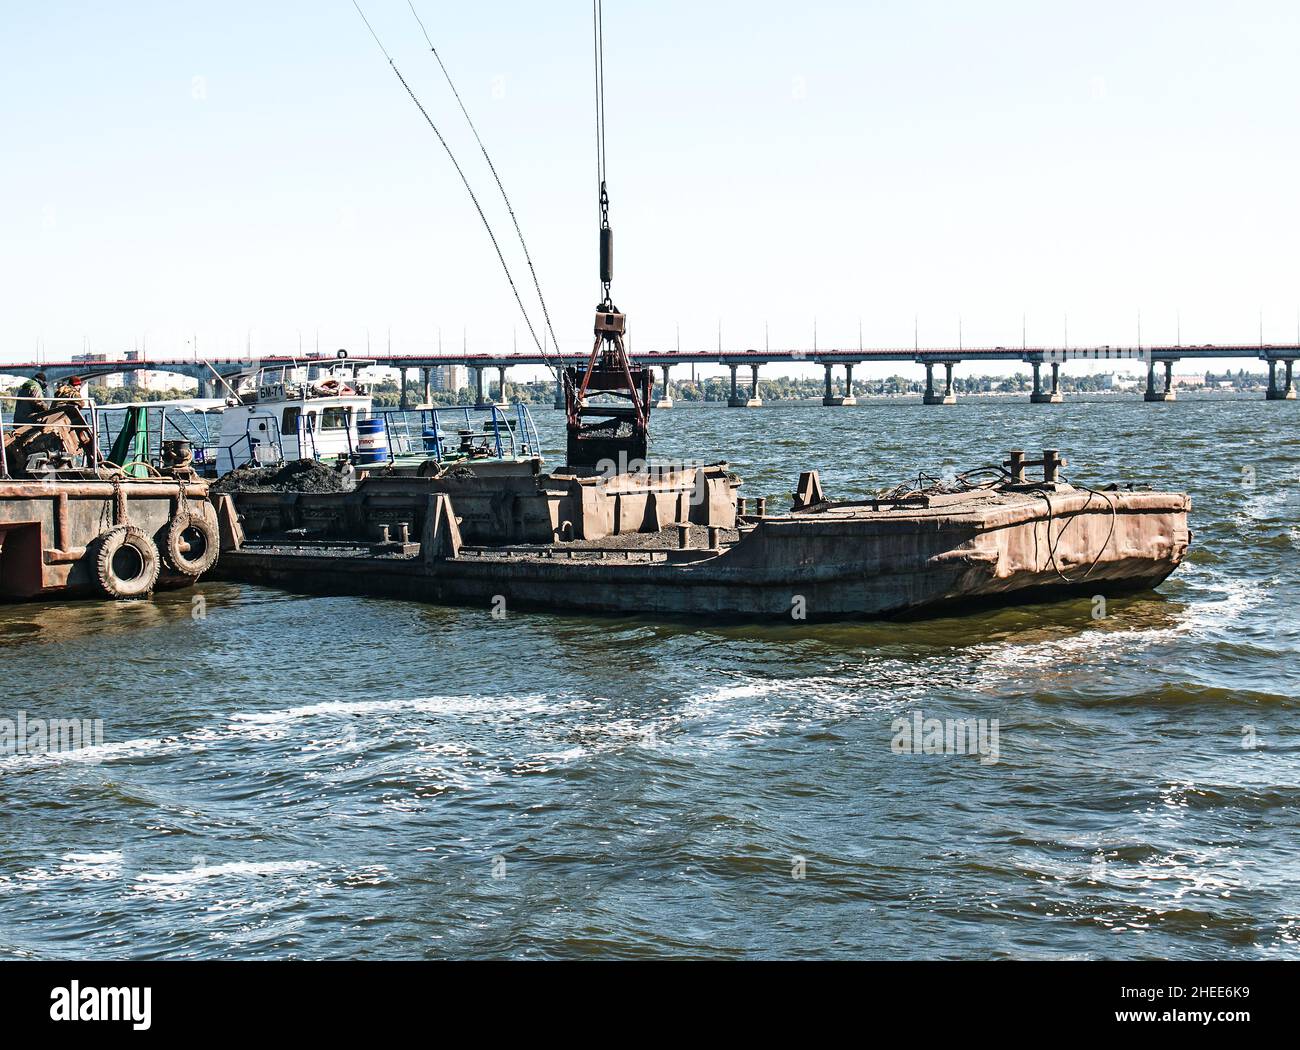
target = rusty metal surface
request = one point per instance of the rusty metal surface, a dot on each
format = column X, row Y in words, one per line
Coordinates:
column 48, row 528
column 847, row 561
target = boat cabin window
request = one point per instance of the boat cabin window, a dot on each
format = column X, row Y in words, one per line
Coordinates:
column 289, row 424
column 335, row 418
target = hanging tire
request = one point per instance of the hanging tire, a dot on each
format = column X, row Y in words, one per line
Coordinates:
column 126, row 563
column 190, row 544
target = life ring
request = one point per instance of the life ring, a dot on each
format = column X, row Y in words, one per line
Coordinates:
column 125, row 563
column 333, row 387
column 190, row 544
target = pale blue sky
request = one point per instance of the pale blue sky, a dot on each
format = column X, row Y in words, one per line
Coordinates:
column 767, row 161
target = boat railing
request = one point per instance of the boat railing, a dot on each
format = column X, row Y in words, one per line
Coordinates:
column 306, row 435
column 436, row 432
column 174, row 421
column 251, row 443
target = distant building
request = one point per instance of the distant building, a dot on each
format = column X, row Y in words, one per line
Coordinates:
column 1114, row 381
column 449, row 378
column 149, row 379
column 137, row 378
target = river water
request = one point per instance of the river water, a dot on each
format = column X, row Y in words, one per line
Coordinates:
column 288, row 776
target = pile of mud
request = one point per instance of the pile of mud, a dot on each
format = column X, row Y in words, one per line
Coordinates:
column 300, row 475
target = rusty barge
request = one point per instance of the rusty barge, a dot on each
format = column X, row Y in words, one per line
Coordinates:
column 679, row 542
column 74, row 523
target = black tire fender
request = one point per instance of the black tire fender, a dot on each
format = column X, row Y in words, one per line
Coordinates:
column 107, row 563
column 190, row 544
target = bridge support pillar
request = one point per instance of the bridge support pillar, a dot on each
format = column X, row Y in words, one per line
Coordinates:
column 1046, row 397
column 427, row 386
column 502, row 399
column 1286, row 392
column 480, row 399
column 208, row 388
column 665, row 398
column 734, row 400
column 402, row 401
column 559, row 392
column 1167, row 394
column 753, row 401
column 834, row 400
column 933, row 398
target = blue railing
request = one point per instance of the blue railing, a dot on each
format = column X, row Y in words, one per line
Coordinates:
column 438, row 433
column 165, row 422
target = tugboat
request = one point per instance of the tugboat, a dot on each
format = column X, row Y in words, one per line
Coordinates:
column 281, row 414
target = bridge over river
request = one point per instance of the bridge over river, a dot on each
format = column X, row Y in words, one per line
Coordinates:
column 1045, row 362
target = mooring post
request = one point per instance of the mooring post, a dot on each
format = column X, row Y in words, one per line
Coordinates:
column 1052, row 462
column 1016, row 466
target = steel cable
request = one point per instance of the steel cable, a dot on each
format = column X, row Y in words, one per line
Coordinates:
column 468, row 189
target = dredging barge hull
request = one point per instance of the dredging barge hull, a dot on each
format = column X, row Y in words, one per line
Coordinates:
column 832, row 561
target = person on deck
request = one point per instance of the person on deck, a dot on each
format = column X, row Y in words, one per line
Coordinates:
column 70, row 391
column 27, row 411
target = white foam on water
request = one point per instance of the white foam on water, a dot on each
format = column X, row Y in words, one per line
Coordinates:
column 728, row 715
column 443, row 705
column 96, row 867
column 1200, row 617
column 86, row 867
column 179, row 885
column 269, row 725
column 94, row 754
column 237, row 869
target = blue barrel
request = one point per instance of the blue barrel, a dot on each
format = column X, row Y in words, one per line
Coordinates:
column 430, row 435
column 372, row 443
